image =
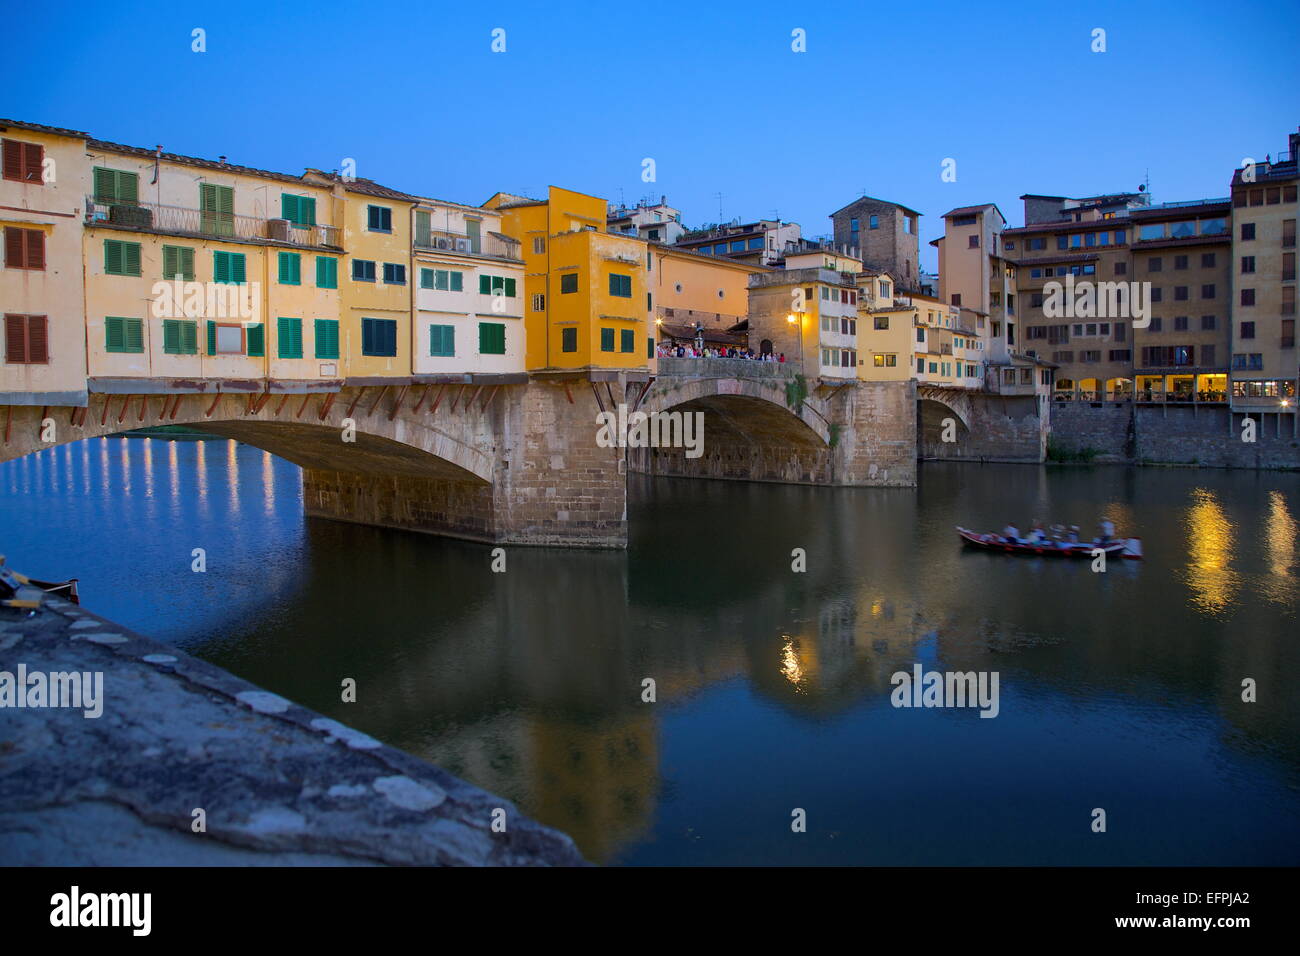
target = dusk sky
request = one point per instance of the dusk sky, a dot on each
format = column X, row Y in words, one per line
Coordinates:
column 712, row 92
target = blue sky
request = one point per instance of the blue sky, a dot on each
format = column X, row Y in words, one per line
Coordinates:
column 711, row 91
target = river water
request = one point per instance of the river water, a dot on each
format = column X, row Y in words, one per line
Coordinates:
column 1119, row 691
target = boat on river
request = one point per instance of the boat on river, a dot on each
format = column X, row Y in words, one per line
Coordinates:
column 24, row 593
column 1130, row 548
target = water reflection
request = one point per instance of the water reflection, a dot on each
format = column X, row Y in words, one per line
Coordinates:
column 772, row 686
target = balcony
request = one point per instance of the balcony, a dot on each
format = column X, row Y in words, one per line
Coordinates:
column 492, row 245
column 182, row 221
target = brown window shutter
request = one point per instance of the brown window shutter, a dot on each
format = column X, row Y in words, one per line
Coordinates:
column 38, row 340
column 33, row 162
column 15, row 339
column 14, row 257
column 35, row 249
column 13, row 159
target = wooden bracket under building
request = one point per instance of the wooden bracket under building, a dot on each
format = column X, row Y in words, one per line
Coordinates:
column 424, row 393
column 490, row 396
column 644, row 388
column 595, row 391
column 213, row 407
column 437, row 398
column 382, row 392
column 327, row 405
column 353, row 407
column 397, row 405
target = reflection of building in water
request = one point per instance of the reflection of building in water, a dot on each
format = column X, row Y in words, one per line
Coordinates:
column 1279, row 585
column 1209, row 575
column 596, row 783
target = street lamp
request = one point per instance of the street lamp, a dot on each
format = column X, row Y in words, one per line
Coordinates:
column 793, row 320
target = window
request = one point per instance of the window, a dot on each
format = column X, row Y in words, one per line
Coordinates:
column 1180, row 262
column 873, row 222
column 920, row 336
column 755, row 243
column 568, row 340
column 1207, row 291
column 1180, row 293
column 180, row 337
column 737, row 245
column 299, row 210
column 1209, row 323
column 394, row 274
column 1247, row 296
column 1155, row 264
column 491, row 338
column 1157, row 294
column 881, row 323
column 1247, row 264
column 216, row 209
column 178, row 263
column 24, row 162
column 1288, row 233
column 123, row 334
column 442, row 340
column 25, row 249
column 379, row 337
column 627, row 340
column 956, row 298
column 426, row 278
column 1121, row 355
column 1288, row 266
column 492, row 285
column 1288, row 333
column 225, row 339
column 379, row 219
column 327, row 272
column 620, row 285
column 539, row 245
column 607, row 340
column 973, row 242
column 442, row 280
column 1207, row 355
column 26, row 340
column 1247, row 231
column 228, row 267
column 1288, row 300
column 327, row 338
column 255, row 339
column 1156, row 323
column 113, row 186
column 1121, row 268
column 885, row 360
column 290, row 268
column 568, row 283
column 1247, row 330
column 539, row 302
column 1207, row 260
column 288, row 337
column 120, row 258
column 1180, row 323
column 363, row 270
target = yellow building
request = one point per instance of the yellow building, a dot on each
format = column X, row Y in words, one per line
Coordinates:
column 45, row 178
column 198, row 268
column 376, row 330
column 585, row 289
column 688, row 289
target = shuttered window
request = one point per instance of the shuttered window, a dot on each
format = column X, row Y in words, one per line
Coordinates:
column 490, row 285
column 116, row 186
column 225, row 339
column 288, row 336
column 121, row 258
column 23, row 162
column 379, row 219
column 426, row 278
column 627, row 340
column 491, row 338
column 394, row 274
column 123, row 334
column 255, row 339
column 327, row 338
column 290, row 268
column 327, row 272
column 422, row 232
column 379, row 337
column 26, row 340
column 363, row 270
column 24, row 248
column 299, row 210
column 180, row 337
column 216, row 209
column 607, row 340
column 568, row 340
column 620, row 285
column 228, row 267
column 178, row 262
column 442, row 340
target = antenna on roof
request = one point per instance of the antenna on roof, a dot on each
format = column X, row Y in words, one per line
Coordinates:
column 719, row 195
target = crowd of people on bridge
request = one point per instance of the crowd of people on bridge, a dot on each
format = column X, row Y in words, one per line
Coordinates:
column 670, row 350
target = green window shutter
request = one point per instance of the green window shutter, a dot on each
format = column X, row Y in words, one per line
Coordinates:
column 212, row 338
column 442, row 340
column 287, row 268
column 171, row 336
column 116, row 186
column 485, row 285
column 255, row 339
column 105, row 184
column 327, row 272
column 131, row 258
column 237, row 271
column 289, row 207
column 289, row 338
column 491, row 338
column 169, row 262
column 627, row 341
column 426, row 278
column 327, row 338
column 607, row 340
column 134, row 329
column 178, row 261
column 422, row 237
column 568, row 340
column 112, row 257
column 220, row 266
column 457, row 280
column 114, row 334
column 510, row 288
column 307, row 209
column 128, row 188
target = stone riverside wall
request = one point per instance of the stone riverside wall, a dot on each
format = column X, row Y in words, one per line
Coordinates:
column 279, row 784
column 1175, row 434
column 996, row 428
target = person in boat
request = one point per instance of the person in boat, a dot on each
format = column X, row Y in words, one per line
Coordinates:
column 1037, row 535
column 1011, row 534
column 1073, row 536
column 1107, row 532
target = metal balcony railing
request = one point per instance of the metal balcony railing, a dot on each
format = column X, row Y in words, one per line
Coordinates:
column 436, row 240
column 186, row 221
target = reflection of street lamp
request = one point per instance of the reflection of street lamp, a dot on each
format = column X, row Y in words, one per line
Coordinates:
column 798, row 320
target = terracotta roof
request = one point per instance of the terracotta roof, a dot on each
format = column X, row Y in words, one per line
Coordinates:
column 874, row 199
column 145, row 153
column 368, row 187
column 966, row 210
column 38, row 128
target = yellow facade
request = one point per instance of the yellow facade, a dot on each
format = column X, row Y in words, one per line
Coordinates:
column 585, row 289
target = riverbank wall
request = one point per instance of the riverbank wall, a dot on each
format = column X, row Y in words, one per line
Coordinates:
column 187, row 764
